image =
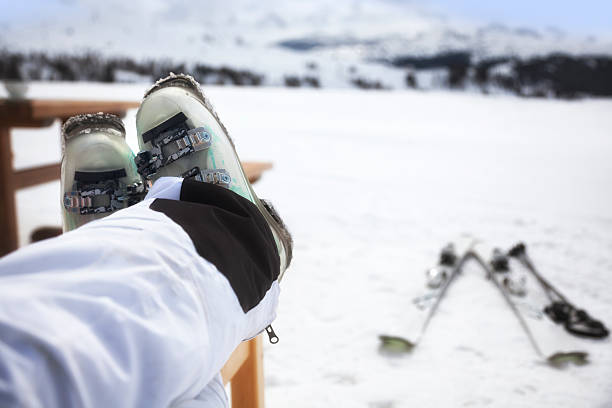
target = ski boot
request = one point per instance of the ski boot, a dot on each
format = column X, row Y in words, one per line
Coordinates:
column 98, row 172
column 180, row 134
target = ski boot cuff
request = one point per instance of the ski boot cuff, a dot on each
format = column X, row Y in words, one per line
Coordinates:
column 92, row 120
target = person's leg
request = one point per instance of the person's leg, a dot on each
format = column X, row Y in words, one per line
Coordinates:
column 141, row 308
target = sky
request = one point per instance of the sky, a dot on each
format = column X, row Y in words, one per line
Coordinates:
column 580, row 17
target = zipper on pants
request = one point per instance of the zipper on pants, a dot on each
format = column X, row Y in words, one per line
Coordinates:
column 271, row 335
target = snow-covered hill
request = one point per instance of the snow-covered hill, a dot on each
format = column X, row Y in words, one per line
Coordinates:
column 343, row 38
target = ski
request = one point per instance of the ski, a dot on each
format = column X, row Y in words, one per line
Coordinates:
column 521, row 296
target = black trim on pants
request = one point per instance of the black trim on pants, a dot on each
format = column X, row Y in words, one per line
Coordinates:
column 230, row 232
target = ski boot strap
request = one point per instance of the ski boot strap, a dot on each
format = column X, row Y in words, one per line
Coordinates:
column 499, row 261
column 576, row 321
column 517, row 250
column 101, row 192
column 581, row 324
column 448, row 256
column 171, row 141
column 216, row 176
column 559, row 312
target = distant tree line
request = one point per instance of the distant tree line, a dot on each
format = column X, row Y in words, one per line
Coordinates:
column 38, row 66
column 295, row 81
column 555, row 75
column 364, row 83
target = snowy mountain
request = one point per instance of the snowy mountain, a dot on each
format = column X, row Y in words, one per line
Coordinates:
column 342, row 39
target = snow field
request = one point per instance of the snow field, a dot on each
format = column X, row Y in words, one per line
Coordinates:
column 372, row 185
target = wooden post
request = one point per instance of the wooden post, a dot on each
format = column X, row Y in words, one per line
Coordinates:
column 8, row 214
column 248, row 383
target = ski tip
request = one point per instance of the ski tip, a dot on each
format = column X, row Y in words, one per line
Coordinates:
column 562, row 359
column 395, row 345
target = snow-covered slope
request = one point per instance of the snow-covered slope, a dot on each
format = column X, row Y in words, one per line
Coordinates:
column 279, row 38
column 372, row 185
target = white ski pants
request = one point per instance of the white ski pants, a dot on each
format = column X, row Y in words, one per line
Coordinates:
column 122, row 312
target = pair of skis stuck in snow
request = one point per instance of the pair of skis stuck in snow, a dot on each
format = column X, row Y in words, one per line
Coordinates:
column 524, row 293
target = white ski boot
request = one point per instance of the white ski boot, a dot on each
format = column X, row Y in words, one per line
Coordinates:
column 98, row 175
column 180, row 134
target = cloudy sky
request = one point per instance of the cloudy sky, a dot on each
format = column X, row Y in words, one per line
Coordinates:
column 590, row 17
column 581, row 17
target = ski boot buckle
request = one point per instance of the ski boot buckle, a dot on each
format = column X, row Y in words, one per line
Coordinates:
column 171, row 141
